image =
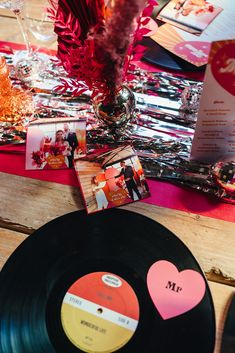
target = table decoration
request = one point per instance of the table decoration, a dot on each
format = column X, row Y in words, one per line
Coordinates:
column 16, row 107
column 161, row 133
column 95, row 55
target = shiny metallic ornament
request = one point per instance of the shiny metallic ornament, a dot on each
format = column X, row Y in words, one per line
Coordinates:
column 190, row 100
column 118, row 113
column 224, row 176
column 27, row 69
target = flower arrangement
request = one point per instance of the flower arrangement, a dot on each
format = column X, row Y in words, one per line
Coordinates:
column 96, row 40
column 38, row 158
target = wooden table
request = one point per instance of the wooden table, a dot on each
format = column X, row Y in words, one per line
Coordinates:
column 26, row 204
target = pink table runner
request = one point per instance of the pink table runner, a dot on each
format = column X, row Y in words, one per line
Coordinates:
column 164, row 194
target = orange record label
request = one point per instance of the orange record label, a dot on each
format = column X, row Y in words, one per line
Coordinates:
column 100, row 313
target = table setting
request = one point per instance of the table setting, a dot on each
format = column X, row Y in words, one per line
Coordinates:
column 166, row 117
column 84, row 69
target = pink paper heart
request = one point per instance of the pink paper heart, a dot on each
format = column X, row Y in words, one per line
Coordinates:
column 173, row 292
column 223, row 65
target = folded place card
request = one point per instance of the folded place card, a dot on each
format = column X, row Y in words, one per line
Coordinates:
column 214, row 138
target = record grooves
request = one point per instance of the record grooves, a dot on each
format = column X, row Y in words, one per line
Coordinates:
column 64, row 254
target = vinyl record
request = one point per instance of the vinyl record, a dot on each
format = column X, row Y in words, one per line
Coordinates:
column 93, row 284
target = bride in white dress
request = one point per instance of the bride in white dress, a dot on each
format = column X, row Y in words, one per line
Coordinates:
column 97, row 189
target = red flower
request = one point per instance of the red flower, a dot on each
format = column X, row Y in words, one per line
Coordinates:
column 93, row 43
column 38, row 158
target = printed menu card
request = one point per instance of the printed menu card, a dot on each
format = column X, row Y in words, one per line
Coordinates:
column 214, row 138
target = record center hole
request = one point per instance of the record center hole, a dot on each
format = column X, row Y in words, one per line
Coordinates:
column 100, row 311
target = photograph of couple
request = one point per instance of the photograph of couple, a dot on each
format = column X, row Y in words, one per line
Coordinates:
column 55, row 144
column 190, row 15
column 111, row 179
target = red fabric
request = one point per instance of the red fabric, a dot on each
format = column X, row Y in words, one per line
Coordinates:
column 164, row 194
column 7, row 47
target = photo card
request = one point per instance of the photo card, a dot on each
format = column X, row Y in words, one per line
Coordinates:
column 111, row 178
column 190, row 15
column 54, row 143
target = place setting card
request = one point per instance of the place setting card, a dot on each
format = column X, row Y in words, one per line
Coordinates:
column 214, row 138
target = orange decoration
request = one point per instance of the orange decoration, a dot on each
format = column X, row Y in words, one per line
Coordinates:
column 15, row 104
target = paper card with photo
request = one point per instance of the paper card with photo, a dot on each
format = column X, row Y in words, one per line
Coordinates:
column 111, row 179
column 190, row 15
column 54, row 143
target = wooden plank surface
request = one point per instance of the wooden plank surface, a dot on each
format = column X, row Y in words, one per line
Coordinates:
column 32, row 203
column 9, row 241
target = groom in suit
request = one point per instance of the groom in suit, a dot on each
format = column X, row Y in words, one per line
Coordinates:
column 128, row 173
column 72, row 140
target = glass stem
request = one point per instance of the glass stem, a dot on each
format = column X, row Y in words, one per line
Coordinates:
column 23, row 29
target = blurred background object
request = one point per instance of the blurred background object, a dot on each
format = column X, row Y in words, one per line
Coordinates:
column 38, row 23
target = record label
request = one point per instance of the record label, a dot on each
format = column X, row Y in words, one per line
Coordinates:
column 100, row 312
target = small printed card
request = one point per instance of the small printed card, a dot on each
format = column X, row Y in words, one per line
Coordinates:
column 110, row 179
column 55, row 143
column 214, row 138
column 195, row 48
column 190, row 15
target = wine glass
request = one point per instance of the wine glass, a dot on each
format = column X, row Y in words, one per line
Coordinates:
column 16, row 6
column 38, row 21
column 41, row 33
column 27, row 65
